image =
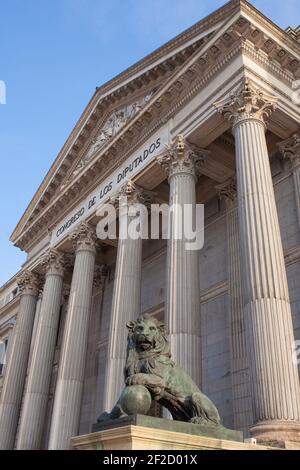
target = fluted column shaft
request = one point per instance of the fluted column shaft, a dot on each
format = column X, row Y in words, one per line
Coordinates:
column 93, row 347
column 35, row 325
column 183, row 289
column 267, row 312
column 68, row 393
column 126, row 302
column 267, row 308
column 15, row 374
column 38, row 382
column 240, row 374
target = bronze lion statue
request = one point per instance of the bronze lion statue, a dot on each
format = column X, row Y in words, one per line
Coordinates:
column 149, row 364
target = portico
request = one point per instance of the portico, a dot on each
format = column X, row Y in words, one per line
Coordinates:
column 200, row 122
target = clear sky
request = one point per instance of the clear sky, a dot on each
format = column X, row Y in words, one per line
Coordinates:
column 53, row 53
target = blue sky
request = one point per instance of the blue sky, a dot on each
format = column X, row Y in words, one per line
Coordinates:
column 53, row 53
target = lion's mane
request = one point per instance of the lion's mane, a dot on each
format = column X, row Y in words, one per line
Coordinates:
column 150, row 361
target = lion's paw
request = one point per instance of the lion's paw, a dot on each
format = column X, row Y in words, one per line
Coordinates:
column 136, row 379
column 198, row 420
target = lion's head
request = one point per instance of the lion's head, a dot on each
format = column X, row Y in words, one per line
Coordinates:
column 146, row 332
column 146, row 342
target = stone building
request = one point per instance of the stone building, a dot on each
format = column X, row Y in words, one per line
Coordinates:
column 228, row 85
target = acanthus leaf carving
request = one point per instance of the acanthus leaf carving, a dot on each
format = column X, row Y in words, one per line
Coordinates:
column 131, row 193
column 84, row 237
column 246, row 103
column 29, row 282
column 182, row 157
column 227, row 190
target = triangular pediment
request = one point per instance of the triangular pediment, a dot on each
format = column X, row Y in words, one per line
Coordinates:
column 125, row 103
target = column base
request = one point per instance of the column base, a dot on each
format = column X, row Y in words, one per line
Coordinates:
column 283, row 434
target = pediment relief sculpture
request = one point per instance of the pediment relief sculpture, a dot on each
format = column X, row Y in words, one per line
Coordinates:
column 111, row 127
column 115, row 122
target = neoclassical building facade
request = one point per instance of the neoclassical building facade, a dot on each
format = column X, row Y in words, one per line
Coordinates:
column 211, row 117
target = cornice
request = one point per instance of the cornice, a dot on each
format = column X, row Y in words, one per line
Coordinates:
column 190, row 77
column 12, row 304
column 278, row 32
column 294, row 32
column 268, row 63
column 5, row 329
column 11, row 282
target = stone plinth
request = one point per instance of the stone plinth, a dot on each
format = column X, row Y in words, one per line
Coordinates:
column 148, row 433
column 142, row 432
column 218, row 432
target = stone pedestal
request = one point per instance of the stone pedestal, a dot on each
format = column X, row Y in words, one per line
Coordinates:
column 142, row 432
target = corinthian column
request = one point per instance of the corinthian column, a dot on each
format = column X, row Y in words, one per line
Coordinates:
column 126, row 302
column 183, row 288
column 68, row 393
column 290, row 149
column 15, row 374
column 267, row 312
column 240, row 375
column 38, row 382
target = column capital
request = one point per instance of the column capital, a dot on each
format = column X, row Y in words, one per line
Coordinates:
column 247, row 103
column 131, row 193
column 290, row 148
column 182, row 158
column 227, row 190
column 100, row 275
column 84, row 237
column 54, row 262
column 29, row 283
